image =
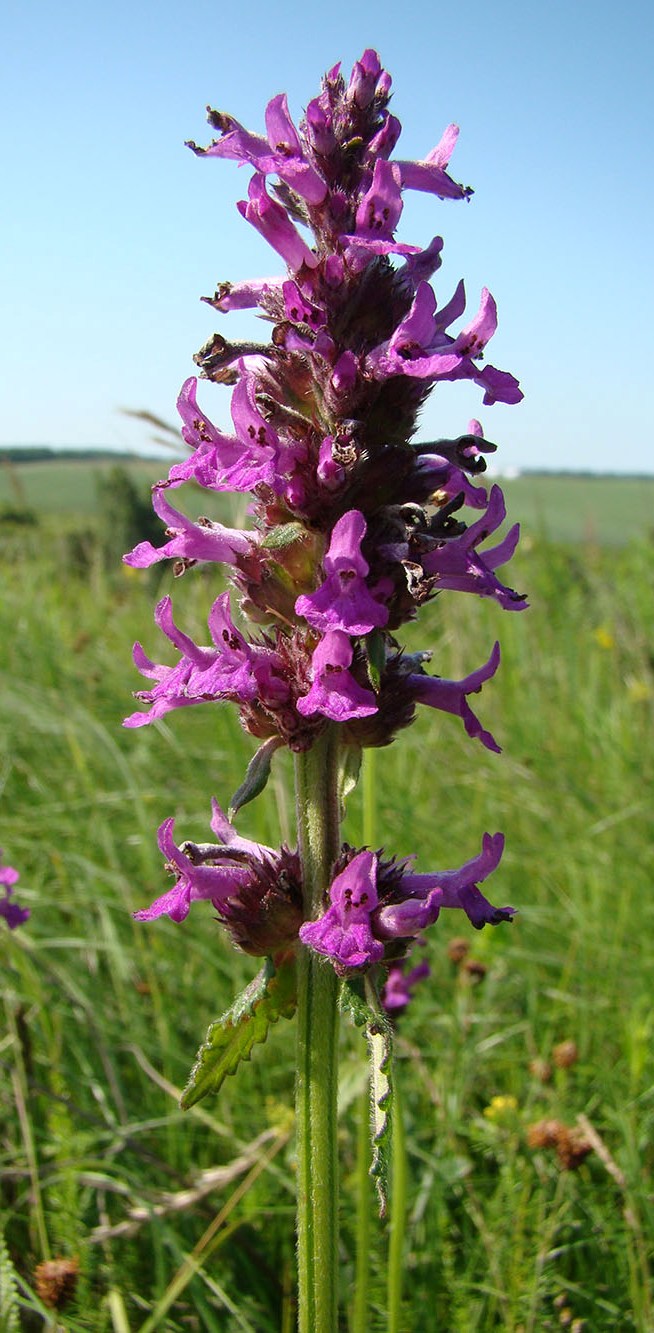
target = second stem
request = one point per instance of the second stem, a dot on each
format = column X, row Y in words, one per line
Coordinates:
column 316, row 787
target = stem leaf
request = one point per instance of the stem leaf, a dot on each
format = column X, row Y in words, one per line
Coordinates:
column 375, row 645
column 349, row 769
column 230, row 1039
column 256, row 775
column 367, row 1013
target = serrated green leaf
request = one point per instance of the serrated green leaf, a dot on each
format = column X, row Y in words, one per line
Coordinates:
column 270, row 996
column 375, row 646
column 283, row 535
column 366, row 1011
column 256, row 776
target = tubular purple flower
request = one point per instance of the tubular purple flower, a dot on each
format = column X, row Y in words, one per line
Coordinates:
column 400, row 985
column 12, row 913
column 334, row 692
column 258, row 435
column 273, row 223
column 423, row 896
column 441, row 476
column 234, row 669
column 301, row 310
column 242, row 295
column 419, row 348
column 193, row 883
column 343, row 932
column 204, row 540
column 364, row 79
column 290, row 163
column 381, row 206
column 384, row 141
column 280, row 153
column 430, row 174
column 455, row 564
column 450, row 696
column 255, row 890
column 319, row 128
column 220, row 462
column 344, row 601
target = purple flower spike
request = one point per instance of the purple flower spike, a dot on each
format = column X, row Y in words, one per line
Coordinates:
column 343, row 933
column 12, row 913
column 334, row 692
column 189, row 541
column 451, row 696
column 274, row 224
column 343, row 601
column 353, row 523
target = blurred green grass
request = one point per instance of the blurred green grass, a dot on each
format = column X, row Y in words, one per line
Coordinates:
column 103, row 1015
column 608, row 510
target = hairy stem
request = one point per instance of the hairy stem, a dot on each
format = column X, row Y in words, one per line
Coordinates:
column 362, row 1263
column 397, row 1217
column 316, row 786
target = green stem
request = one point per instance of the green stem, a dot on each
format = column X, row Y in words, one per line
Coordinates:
column 360, row 1320
column 362, row 1266
column 316, row 789
column 397, row 1216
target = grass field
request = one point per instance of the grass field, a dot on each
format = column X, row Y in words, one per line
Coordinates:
column 103, row 1015
column 606, row 510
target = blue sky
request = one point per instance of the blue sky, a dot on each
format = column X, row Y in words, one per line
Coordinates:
column 114, row 230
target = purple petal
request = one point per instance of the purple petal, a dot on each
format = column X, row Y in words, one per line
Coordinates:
column 400, row 985
column 273, row 223
column 343, row 601
column 188, row 541
column 473, row 339
column 334, row 692
column 343, row 932
column 450, row 696
column 381, row 206
column 13, row 914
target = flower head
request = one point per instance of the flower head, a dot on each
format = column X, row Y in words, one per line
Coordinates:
column 343, row 933
column 255, row 891
column 351, row 526
column 12, row 913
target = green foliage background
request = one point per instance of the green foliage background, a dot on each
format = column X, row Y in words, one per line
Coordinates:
column 102, row 1015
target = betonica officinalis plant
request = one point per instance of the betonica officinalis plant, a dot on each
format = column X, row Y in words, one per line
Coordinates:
column 351, row 528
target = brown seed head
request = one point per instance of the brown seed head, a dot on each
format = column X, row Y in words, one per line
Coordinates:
column 565, row 1054
column 541, row 1070
column 458, row 948
column 55, row 1281
column 571, row 1148
column 544, row 1133
column 474, row 969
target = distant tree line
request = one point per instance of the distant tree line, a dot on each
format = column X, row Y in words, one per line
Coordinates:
column 46, row 453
